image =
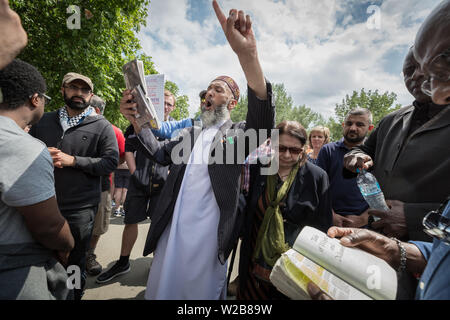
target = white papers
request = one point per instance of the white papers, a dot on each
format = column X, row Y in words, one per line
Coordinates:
column 155, row 91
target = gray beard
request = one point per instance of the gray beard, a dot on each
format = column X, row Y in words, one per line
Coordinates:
column 213, row 117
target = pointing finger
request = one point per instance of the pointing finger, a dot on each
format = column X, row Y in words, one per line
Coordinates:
column 219, row 14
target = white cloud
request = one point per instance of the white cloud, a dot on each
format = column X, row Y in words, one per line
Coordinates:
column 299, row 43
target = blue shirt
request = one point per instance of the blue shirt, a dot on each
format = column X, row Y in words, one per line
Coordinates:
column 346, row 199
column 435, row 281
column 170, row 129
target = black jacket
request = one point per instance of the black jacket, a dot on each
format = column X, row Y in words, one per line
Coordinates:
column 149, row 176
column 308, row 203
column 413, row 169
column 94, row 145
column 225, row 178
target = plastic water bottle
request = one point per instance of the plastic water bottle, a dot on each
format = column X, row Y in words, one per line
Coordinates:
column 371, row 191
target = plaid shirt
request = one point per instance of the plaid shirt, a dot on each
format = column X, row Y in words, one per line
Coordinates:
column 263, row 151
column 67, row 122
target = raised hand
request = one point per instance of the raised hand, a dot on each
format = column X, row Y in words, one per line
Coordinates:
column 239, row 33
column 238, row 30
column 12, row 34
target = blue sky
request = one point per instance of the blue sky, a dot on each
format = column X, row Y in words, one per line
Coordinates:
column 320, row 49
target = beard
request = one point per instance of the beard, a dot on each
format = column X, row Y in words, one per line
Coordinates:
column 76, row 105
column 214, row 116
column 356, row 139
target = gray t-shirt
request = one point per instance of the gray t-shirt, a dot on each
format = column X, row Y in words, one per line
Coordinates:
column 26, row 178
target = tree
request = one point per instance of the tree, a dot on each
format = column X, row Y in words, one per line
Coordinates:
column 285, row 109
column 182, row 102
column 379, row 104
column 98, row 47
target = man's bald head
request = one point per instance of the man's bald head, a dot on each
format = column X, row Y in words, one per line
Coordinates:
column 432, row 52
column 414, row 78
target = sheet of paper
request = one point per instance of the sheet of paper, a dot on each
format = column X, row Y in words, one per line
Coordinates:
column 155, row 91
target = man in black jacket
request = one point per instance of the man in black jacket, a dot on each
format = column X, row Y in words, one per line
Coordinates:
column 193, row 228
column 83, row 147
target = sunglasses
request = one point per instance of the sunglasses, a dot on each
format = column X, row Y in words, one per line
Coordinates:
column 436, row 225
column 292, row 150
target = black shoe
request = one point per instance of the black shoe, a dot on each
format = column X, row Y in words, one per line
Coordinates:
column 93, row 268
column 116, row 270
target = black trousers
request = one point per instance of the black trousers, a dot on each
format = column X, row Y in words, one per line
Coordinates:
column 81, row 222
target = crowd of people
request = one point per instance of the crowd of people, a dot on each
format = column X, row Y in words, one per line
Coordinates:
column 73, row 169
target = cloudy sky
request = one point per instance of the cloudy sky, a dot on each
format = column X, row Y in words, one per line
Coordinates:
column 320, row 49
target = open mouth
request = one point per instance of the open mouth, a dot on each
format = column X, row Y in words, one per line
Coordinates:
column 208, row 105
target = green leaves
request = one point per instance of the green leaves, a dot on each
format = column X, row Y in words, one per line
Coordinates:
column 379, row 104
column 99, row 49
column 285, row 109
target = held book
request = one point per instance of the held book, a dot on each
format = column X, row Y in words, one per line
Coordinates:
column 341, row 272
column 133, row 73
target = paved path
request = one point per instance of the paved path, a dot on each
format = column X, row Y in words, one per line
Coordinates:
column 131, row 285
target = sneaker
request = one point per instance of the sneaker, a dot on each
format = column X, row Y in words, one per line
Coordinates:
column 117, row 212
column 113, row 203
column 93, row 268
column 116, row 270
column 122, row 212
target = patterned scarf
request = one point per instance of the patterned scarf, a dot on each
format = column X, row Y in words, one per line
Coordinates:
column 271, row 241
column 68, row 122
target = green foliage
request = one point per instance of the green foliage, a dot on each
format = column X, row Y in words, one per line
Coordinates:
column 335, row 129
column 239, row 113
column 285, row 109
column 379, row 104
column 99, row 49
column 182, row 102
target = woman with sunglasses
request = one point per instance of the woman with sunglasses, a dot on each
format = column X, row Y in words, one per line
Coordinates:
column 278, row 207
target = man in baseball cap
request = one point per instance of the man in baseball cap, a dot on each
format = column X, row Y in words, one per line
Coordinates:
column 83, row 148
column 77, row 91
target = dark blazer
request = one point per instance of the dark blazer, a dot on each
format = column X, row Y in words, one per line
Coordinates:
column 308, row 203
column 225, row 178
column 416, row 170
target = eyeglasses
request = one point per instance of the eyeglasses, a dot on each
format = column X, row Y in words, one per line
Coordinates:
column 168, row 104
column 84, row 91
column 439, row 70
column 292, row 150
column 47, row 99
column 436, row 225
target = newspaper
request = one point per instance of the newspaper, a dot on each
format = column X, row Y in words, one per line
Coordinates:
column 343, row 273
column 133, row 73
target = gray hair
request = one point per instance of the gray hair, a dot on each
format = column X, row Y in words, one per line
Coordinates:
column 98, row 102
column 360, row 112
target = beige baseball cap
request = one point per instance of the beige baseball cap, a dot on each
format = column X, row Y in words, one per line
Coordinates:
column 71, row 76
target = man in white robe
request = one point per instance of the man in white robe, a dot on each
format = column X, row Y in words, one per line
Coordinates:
column 195, row 225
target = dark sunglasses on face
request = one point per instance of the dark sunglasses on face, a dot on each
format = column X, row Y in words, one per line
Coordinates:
column 292, row 150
